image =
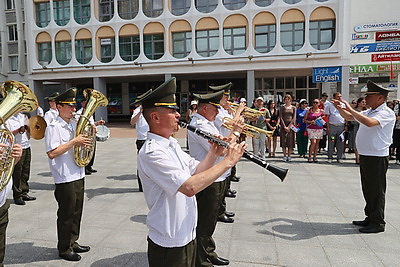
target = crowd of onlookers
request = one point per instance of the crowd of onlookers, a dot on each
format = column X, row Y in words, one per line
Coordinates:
column 313, row 128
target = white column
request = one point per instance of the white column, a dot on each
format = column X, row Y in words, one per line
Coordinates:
column 345, row 82
column 250, row 86
column 101, row 85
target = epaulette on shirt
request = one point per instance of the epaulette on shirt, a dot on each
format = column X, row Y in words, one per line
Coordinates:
column 149, row 146
column 199, row 121
column 54, row 122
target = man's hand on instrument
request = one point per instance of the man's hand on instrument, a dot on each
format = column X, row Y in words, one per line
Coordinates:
column 235, row 152
column 16, row 151
column 83, row 140
column 238, row 125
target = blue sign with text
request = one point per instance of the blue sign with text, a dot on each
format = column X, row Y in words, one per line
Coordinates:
column 375, row 47
column 328, row 74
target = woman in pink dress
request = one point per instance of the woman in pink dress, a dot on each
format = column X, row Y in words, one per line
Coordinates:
column 314, row 128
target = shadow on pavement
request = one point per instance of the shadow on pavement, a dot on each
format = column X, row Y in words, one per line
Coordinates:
column 23, row 253
column 139, row 218
column 40, row 186
column 297, row 230
column 137, row 259
column 123, row 177
column 45, row 174
column 91, row 193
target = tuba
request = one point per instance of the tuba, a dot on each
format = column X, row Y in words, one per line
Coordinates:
column 17, row 97
column 95, row 99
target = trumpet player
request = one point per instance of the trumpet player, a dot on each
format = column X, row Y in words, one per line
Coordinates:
column 69, row 178
column 4, row 203
column 261, row 122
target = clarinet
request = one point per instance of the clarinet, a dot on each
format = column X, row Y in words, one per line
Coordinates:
column 278, row 171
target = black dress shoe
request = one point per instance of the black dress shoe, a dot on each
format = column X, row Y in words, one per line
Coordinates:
column 28, row 198
column 230, row 194
column 87, row 172
column 371, row 229
column 81, row 249
column 229, row 213
column 232, row 191
column 235, row 179
column 225, row 219
column 72, row 256
column 219, row 261
column 364, row 223
column 19, row 201
column 91, row 169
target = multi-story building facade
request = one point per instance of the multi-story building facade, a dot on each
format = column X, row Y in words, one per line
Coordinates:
column 124, row 47
column 13, row 54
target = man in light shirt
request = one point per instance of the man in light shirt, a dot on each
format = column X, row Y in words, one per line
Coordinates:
column 52, row 113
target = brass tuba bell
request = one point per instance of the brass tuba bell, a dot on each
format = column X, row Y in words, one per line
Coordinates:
column 95, row 99
column 17, row 97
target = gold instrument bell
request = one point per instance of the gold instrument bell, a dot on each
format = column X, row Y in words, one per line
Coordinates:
column 248, row 129
column 37, row 127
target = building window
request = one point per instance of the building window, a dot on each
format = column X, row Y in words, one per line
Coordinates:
column 264, row 3
column 129, row 47
column 61, row 12
column 152, row 8
column 265, row 37
column 13, row 63
column 128, row 9
column 292, row 36
column 207, row 42
column 63, row 52
column 81, row 11
column 42, row 14
column 154, row 45
column 44, row 53
column 106, row 10
column 235, row 40
column 83, row 50
column 10, row 4
column 234, row 4
column 206, row 6
column 182, row 44
column 292, row 1
column 12, row 33
column 322, row 34
column 107, row 49
column 180, row 7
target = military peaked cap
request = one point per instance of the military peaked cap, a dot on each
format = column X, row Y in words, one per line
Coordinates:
column 68, row 97
column 212, row 98
column 162, row 96
column 225, row 87
column 52, row 96
column 373, row 89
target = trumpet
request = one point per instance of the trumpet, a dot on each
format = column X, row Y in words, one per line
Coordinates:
column 248, row 129
column 249, row 113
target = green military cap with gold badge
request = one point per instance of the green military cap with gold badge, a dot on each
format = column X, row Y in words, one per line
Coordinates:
column 162, row 96
column 212, row 98
column 68, row 97
column 52, row 96
column 225, row 87
column 374, row 89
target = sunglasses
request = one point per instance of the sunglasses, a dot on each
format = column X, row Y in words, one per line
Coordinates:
column 315, row 102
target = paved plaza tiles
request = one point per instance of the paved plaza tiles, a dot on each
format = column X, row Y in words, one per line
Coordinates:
column 303, row 221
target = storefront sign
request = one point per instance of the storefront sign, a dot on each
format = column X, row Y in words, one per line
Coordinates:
column 375, row 47
column 372, row 27
column 361, row 36
column 373, row 68
column 385, row 57
column 329, row 74
column 387, row 36
column 353, row 80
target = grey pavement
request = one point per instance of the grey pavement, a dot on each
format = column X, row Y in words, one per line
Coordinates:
column 303, row 221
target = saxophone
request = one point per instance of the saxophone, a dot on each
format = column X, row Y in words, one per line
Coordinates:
column 95, row 99
column 17, row 97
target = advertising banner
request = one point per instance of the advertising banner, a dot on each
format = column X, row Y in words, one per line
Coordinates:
column 385, row 57
column 387, row 36
column 373, row 68
column 373, row 27
column 328, row 74
column 375, row 47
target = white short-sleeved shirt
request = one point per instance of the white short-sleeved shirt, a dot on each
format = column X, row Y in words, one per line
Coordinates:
column 376, row 140
column 50, row 115
column 334, row 115
column 163, row 167
column 16, row 122
column 222, row 113
column 199, row 146
column 39, row 111
column 63, row 168
column 141, row 125
column 5, row 192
